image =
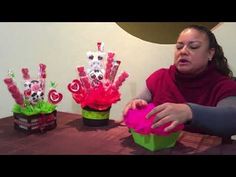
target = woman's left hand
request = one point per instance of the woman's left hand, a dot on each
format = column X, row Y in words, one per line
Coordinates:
column 170, row 112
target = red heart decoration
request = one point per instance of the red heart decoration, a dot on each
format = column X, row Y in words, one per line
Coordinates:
column 54, row 97
column 74, row 86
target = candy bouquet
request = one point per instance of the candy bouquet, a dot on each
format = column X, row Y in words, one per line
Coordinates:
column 150, row 138
column 31, row 113
column 96, row 88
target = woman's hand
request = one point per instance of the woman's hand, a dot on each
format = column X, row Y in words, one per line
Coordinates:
column 136, row 103
column 170, row 112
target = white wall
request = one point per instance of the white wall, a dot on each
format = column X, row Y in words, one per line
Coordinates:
column 63, row 46
column 226, row 37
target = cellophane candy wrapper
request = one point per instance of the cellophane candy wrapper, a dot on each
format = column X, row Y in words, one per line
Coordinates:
column 150, row 138
column 31, row 112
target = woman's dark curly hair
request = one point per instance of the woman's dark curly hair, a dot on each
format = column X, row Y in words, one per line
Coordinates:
column 218, row 59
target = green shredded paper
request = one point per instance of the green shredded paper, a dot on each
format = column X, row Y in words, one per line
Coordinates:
column 42, row 107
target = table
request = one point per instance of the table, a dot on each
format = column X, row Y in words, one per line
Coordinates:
column 71, row 137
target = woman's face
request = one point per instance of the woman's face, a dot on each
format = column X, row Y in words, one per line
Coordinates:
column 192, row 52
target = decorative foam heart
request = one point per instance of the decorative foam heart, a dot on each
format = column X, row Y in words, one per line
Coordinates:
column 74, row 86
column 54, row 97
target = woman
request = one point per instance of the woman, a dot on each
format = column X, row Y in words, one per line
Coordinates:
column 197, row 90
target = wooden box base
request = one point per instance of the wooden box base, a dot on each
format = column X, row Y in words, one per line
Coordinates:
column 35, row 123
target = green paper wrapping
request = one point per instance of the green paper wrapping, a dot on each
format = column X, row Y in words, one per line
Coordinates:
column 41, row 107
column 95, row 115
column 155, row 142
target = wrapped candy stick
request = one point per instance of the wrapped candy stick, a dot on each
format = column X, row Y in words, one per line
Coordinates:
column 114, row 70
column 8, row 81
column 111, row 54
column 110, row 60
column 83, row 77
column 25, row 72
column 12, row 88
column 42, row 75
column 42, row 71
column 26, row 76
column 120, row 80
column 100, row 46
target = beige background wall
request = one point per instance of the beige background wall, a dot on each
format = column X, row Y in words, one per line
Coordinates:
column 63, row 46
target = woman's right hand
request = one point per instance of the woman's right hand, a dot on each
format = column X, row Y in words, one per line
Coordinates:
column 136, row 103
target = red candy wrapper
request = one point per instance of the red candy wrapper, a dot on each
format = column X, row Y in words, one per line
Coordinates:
column 114, row 71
